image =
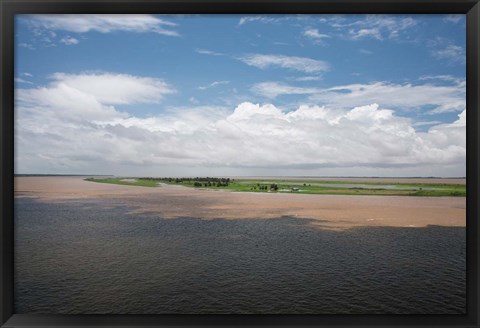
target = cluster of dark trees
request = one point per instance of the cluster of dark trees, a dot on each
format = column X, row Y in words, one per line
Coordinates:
column 273, row 186
column 197, row 181
column 210, row 184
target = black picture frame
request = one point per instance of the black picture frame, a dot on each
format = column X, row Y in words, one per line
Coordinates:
column 9, row 8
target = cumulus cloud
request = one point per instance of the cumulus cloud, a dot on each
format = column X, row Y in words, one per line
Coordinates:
column 110, row 88
column 80, row 23
column 78, row 103
column 301, row 64
column 59, row 102
column 64, row 127
column 444, row 98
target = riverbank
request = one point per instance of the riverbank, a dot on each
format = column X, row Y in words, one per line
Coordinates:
column 328, row 211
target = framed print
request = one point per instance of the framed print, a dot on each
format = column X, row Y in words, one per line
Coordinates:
column 217, row 163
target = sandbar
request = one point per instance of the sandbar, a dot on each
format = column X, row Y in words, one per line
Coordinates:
column 327, row 211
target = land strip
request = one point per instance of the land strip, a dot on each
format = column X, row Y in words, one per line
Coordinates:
column 326, row 211
column 299, row 186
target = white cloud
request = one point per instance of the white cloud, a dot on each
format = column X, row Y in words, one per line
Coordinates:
column 58, row 127
column 112, row 88
column 366, row 52
column 427, row 123
column 68, row 40
column 279, row 18
column 365, row 33
column 451, row 52
column 315, row 35
column 50, row 135
column 103, row 23
column 307, row 78
column 262, row 19
column 63, row 101
column 446, row 50
column 447, row 78
column 208, row 52
column 213, row 84
column 445, row 98
column 26, row 45
column 72, row 126
column 454, row 18
column 274, row 89
column 407, row 96
column 379, row 27
column 301, row 64
column 193, row 100
column 27, row 74
column 20, row 80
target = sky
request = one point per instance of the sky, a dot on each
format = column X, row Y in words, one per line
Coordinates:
column 235, row 95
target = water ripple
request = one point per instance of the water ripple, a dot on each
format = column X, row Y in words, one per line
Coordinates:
column 85, row 258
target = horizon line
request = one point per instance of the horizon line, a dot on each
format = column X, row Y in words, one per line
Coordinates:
column 247, row 176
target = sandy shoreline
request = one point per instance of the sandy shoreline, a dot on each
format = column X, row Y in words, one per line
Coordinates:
column 329, row 211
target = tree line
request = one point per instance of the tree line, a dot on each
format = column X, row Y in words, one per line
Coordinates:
column 197, row 181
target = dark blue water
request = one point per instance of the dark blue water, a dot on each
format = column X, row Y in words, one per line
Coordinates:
column 92, row 257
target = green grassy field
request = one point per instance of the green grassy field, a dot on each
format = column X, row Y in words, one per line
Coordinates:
column 121, row 181
column 331, row 187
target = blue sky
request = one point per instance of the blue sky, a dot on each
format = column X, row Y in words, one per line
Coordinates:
column 319, row 95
